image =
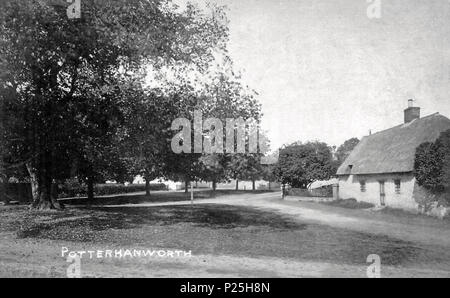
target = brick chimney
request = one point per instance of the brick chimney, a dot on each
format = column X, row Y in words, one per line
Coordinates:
column 411, row 113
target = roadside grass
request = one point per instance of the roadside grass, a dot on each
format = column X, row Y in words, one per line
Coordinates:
column 410, row 214
column 216, row 230
column 403, row 213
column 349, row 204
column 157, row 197
column 386, row 215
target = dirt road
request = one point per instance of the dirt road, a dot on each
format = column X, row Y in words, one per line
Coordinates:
column 409, row 228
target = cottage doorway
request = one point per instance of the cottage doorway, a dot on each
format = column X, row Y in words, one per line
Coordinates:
column 382, row 194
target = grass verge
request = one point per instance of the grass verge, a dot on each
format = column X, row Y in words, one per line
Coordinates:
column 349, row 204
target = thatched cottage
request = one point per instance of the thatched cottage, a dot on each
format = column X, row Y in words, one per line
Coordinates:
column 380, row 168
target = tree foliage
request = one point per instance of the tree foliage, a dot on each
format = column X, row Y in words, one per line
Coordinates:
column 345, row 149
column 68, row 89
column 432, row 164
column 300, row 164
column 220, row 94
column 245, row 167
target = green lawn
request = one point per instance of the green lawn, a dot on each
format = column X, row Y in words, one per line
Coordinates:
column 349, row 204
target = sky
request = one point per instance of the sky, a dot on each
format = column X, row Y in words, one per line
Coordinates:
column 326, row 71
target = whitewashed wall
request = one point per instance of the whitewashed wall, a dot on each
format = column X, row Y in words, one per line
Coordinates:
column 349, row 187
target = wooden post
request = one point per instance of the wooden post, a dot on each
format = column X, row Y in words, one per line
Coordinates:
column 336, row 191
column 192, row 193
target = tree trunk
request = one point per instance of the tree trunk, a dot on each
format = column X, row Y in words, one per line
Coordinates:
column 34, row 183
column 47, row 199
column 90, row 189
column 44, row 190
column 147, row 187
column 214, row 185
column 3, row 196
column 186, row 186
column 253, row 185
column 269, row 186
column 237, row 184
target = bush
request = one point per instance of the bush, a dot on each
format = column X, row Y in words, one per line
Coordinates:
column 72, row 188
column 428, row 167
column 432, row 165
column 112, row 189
column 76, row 189
column 20, row 192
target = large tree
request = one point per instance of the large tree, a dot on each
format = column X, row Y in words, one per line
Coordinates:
column 300, row 164
column 64, row 79
column 236, row 168
column 345, row 149
column 219, row 94
column 146, row 145
column 213, row 168
column 246, row 167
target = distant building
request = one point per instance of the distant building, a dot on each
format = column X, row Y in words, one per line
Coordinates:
column 323, row 184
column 380, row 168
column 171, row 185
column 248, row 185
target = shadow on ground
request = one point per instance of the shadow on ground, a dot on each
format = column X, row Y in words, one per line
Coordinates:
column 86, row 219
column 217, row 230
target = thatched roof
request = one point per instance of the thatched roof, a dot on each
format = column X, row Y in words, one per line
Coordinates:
column 393, row 150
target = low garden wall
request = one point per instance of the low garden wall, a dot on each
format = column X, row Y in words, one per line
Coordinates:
column 324, row 192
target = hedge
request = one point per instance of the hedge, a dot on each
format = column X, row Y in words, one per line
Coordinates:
column 75, row 189
column 20, row 192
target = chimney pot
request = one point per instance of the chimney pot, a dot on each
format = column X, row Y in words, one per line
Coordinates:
column 411, row 113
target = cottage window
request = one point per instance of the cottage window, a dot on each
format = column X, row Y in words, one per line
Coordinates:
column 398, row 185
column 362, row 185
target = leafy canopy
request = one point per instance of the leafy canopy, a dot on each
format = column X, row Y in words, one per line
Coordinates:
column 300, row 164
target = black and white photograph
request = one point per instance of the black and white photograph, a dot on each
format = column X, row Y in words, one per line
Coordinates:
column 224, row 144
